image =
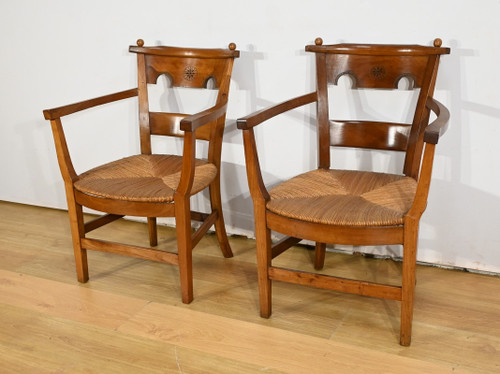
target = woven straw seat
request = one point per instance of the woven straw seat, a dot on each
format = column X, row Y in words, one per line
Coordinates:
column 323, row 196
column 146, row 178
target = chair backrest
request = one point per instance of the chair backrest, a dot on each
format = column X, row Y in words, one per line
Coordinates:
column 376, row 67
column 184, row 67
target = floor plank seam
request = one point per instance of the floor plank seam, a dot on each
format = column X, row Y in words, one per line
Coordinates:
column 177, row 360
column 348, row 312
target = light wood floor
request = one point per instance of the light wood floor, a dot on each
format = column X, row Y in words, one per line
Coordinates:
column 129, row 319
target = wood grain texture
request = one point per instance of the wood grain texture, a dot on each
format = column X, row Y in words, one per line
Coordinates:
column 265, row 346
column 67, row 301
column 382, row 135
column 335, row 283
column 45, row 344
column 129, row 319
column 219, row 336
column 56, row 113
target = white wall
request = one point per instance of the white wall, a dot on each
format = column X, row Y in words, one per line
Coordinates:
column 56, row 52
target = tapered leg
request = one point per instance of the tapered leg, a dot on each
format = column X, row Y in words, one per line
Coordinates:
column 153, row 232
column 77, row 232
column 220, row 228
column 409, row 278
column 319, row 256
column 185, row 248
column 264, row 256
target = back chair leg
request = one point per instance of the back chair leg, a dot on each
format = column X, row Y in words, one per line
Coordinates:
column 220, row 228
column 409, row 280
column 319, row 256
column 77, row 233
column 153, row 231
column 184, row 248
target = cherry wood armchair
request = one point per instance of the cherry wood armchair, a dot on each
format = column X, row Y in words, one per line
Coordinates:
column 154, row 185
column 352, row 207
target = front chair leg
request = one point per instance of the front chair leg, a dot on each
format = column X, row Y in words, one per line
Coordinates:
column 409, row 280
column 77, row 232
column 184, row 248
column 153, row 231
column 264, row 256
column 220, row 228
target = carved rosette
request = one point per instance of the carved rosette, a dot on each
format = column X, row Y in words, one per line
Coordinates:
column 378, row 72
column 189, row 73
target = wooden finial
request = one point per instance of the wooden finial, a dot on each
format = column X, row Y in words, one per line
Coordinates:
column 318, row 41
column 140, row 42
column 437, row 42
column 232, row 46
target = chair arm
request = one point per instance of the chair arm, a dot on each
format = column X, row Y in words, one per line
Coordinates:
column 59, row 112
column 255, row 182
column 260, row 116
column 431, row 136
column 439, row 126
column 194, row 121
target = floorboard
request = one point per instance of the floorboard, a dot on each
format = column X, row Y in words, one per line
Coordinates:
column 129, row 318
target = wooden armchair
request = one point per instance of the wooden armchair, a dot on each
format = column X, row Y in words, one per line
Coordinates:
column 154, row 185
column 349, row 206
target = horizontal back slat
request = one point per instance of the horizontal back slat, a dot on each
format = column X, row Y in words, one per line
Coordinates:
column 368, row 134
column 186, row 72
column 169, row 124
column 377, row 71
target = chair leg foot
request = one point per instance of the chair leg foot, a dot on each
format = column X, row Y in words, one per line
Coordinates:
column 81, row 264
column 223, row 242
column 264, row 258
column 406, row 317
column 405, row 341
column 265, row 293
column 187, row 297
column 185, row 272
column 75, row 213
column 265, row 297
column 186, row 278
column 81, row 276
column 184, row 248
column 265, row 314
column 409, row 280
column 153, row 231
column 220, row 232
column 220, row 228
column 319, row 256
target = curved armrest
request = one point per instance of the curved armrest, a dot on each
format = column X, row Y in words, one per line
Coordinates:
column 59, row 112
column 255, row 182
column 439, row 126
column 431, row 136
column 191, row 123
column 260, row 116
